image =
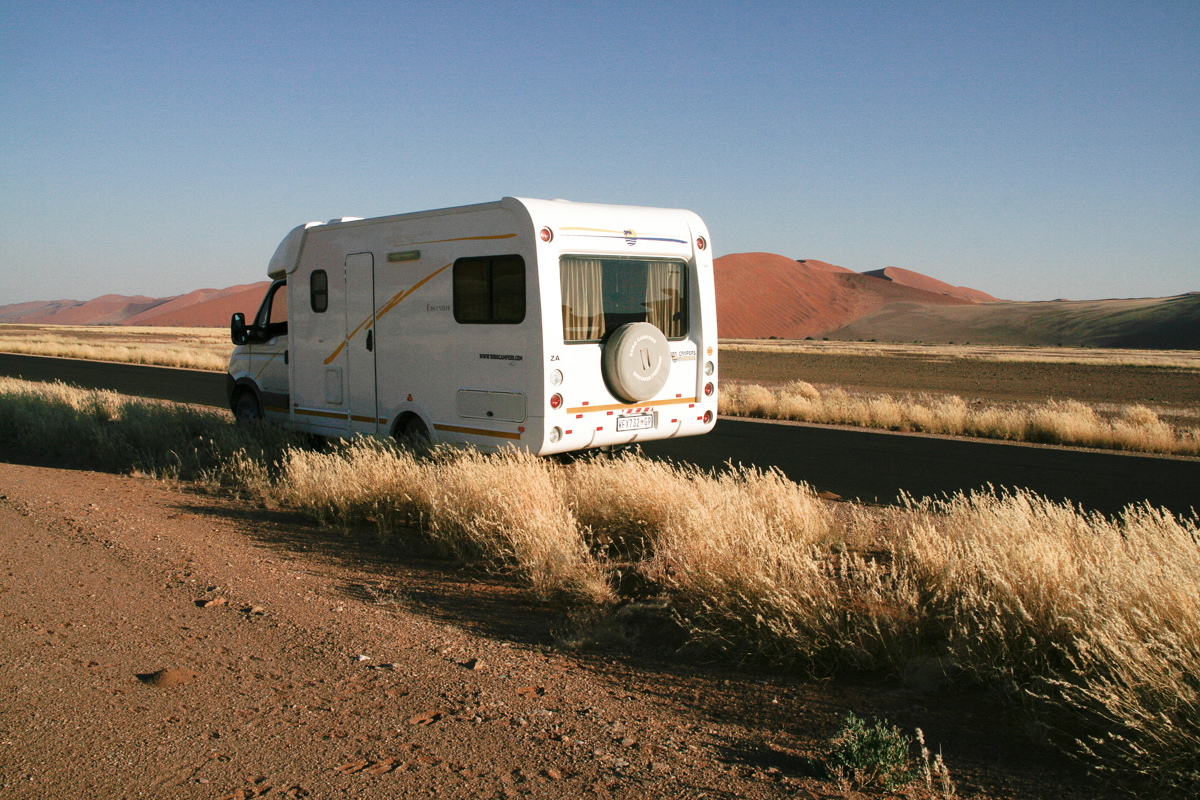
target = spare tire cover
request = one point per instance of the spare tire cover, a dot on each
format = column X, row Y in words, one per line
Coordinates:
column 637, row 361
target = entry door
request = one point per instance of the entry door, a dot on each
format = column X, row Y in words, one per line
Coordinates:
column 360, row 342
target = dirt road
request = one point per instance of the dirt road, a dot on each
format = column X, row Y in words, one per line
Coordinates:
column 155, row 642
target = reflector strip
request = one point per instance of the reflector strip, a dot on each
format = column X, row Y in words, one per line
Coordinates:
column 477, row 431
column 312, row 412
column 618, row 406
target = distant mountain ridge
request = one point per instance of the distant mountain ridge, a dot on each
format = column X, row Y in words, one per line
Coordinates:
column 203, row 308
column 763, row 295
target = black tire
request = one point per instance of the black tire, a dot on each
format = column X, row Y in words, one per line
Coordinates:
column 247, row 410
column 636, row 361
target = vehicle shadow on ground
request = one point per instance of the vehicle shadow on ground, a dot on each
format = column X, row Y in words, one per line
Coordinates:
column 402, row 571
column 783, row 720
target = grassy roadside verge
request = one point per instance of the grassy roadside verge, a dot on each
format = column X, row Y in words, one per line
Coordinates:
column 1068, row 422
column 1091, row 623
column 188, row 348
column 1013, row 354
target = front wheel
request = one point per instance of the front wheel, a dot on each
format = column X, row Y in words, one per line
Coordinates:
column 247, row 410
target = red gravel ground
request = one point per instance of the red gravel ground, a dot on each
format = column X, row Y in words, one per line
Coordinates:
column 160, row 643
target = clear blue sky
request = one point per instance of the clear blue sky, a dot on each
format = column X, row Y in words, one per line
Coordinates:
column 1032, row 150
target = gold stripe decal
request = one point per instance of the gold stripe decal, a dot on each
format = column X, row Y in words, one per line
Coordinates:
column 269, row 360
column 468, row 239
column 673, row 401
column 477, row 431
column 373, row 318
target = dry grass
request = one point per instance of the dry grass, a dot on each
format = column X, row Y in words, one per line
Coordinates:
column 111, row 431
column 461, row 501
column 189, row 348
column 1069, row 422
column 1092, row 623
column 1170, row 359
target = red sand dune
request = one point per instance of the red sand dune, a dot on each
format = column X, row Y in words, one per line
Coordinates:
column 812, row 262
column 19, row 311
column 762, row 294
column 207, row 308
column 203, row 308
column 919, row 281
column 107, row 309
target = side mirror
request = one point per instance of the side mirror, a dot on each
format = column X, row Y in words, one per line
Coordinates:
column 237, row 329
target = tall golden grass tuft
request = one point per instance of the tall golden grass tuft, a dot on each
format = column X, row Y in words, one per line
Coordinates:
column 1067, row 422
column 509, row 507
column 1094, row 620
column 505, row 511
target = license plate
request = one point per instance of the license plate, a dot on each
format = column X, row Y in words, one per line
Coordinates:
column 636, row 422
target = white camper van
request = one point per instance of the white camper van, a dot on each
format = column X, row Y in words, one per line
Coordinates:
column 542, row 324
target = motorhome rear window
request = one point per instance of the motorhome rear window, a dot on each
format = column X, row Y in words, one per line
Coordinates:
column 601, row 294
column 489, row 290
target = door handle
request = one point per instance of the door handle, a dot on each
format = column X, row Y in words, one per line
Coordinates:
column 371, row 340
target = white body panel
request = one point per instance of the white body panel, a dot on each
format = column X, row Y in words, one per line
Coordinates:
column 388, row 349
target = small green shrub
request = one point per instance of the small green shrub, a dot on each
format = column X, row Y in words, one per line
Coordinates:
column 870, row 755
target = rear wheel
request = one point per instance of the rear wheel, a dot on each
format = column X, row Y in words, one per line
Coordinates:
column 247, row 409
column 411, row 430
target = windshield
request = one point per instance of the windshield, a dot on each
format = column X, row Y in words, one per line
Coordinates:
column 601, row 294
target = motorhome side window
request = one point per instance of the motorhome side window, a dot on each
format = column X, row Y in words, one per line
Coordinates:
column 601, row 294
column 318, row 291
column 489, row 290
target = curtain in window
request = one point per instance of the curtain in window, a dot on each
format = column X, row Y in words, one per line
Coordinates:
column 664, row 297
column 583, row 303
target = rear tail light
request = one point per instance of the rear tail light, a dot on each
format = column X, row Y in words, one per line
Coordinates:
column 700, row 243
column 546, row 234
column 555, row 435
column 709, row 389
column 708, row 417
column 556, row 401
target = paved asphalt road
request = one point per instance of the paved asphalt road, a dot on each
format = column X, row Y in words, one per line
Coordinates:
column 869, row 465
